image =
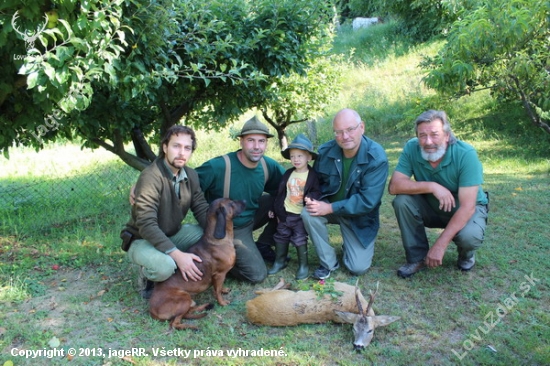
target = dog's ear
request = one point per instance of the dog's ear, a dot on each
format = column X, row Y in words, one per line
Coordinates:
column 219, row 229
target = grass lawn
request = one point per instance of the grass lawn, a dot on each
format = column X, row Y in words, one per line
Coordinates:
column 65, row 285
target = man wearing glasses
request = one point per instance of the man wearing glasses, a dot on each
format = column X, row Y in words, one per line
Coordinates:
column 352, row 172
column 437, row 183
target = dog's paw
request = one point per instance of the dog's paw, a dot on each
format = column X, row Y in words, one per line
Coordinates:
column 226, row 290
column 209, row 307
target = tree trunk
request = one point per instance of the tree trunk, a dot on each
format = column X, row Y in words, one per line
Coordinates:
column 143, row 150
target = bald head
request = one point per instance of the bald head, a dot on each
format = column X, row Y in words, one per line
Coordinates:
column 348, row 130
column 347, row 114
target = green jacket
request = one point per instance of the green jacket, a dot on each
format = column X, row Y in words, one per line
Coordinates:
column 158, row 212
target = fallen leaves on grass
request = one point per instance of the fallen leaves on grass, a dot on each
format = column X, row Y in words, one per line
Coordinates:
column 54, row 342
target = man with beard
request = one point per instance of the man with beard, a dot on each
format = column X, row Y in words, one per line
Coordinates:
column 445, row 193
column 165, row 192
column 246, row 174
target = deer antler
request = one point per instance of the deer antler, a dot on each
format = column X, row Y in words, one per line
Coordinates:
column 372, row 297
column 44, row 26
column 26, row 37
column 14, row 26
column 358, row 298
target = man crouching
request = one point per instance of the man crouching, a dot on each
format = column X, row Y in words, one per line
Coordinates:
column 445, row 193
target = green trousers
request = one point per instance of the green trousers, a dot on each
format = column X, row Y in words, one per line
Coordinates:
column 158, row 266
column 414, row 214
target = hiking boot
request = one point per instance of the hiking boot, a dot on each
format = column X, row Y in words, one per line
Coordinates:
column 407, row 270
column 145, row 285
column 323, row 273
column 466, row 264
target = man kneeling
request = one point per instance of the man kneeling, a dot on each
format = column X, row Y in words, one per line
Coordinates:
column 445, row 193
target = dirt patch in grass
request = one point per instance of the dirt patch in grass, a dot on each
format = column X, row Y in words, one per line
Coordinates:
column 78, row 305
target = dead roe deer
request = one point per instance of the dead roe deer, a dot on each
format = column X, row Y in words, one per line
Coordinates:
column 282, row 307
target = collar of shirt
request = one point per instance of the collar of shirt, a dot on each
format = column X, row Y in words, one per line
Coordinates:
column 177, row 178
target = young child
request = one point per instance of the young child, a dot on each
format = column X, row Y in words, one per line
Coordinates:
column 298, row 182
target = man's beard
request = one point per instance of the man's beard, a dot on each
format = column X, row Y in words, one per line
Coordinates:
column 434, row 156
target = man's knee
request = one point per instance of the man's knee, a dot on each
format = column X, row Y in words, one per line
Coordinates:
column 156, row 265
column 402, row 201
column 258, row 277
column 359, row 272
column 160, row 273
column 254, row 276
column 469, row 240
column 255, row 273
column 472, row 235
column 358, row 268
column 359, row 260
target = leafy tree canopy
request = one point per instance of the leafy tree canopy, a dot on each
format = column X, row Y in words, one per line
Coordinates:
column 299, row 98
column 501, row 45
column 111, row 71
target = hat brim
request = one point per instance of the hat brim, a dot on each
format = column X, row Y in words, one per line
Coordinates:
column 255, row 132
column 286, row 152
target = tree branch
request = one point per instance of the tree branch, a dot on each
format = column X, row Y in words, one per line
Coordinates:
column 535, row 118
column 143, row 150
column 118, row 149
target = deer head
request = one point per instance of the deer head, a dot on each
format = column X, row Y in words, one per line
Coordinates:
column 28, row 37
column 364, row 323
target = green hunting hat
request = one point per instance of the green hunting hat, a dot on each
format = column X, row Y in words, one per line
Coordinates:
column 300, row 142
column 254, row 126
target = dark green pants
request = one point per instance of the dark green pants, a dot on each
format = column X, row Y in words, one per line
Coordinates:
column 414, row 214
column 250, row 265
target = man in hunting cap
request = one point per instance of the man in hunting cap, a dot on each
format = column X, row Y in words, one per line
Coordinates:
column 246, row 174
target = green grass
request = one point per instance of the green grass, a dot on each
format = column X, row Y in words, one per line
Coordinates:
column 90, row 302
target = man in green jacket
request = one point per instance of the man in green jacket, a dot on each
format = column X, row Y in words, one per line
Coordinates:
column 352, row 171
column 246, row 174
column 164, row 193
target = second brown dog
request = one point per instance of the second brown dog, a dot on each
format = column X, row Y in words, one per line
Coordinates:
column 172, row 299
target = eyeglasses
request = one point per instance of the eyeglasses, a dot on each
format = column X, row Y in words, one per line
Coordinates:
column 349, row 130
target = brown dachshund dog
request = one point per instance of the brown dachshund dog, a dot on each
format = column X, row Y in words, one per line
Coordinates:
column 171, row 299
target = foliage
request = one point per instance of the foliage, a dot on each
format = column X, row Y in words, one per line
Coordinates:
column 322, row 288
column 357, row 8
column 362, row 8
column 301, row 98
column 371, row 46
column 503, row 46
column 110, row 71
column 424, row 19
